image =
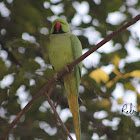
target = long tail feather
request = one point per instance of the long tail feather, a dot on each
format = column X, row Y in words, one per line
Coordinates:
column 74, row 108
column 71, row 89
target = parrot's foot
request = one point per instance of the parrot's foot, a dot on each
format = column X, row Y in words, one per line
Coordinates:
column 68, row 68
column 56, row 77
column 60, row 80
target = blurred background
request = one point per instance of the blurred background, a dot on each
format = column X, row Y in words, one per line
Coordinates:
column 110, row 76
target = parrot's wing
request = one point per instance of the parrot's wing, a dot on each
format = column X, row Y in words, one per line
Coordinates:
column 77, row 52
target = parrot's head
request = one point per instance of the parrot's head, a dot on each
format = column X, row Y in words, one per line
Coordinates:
column 59, row 26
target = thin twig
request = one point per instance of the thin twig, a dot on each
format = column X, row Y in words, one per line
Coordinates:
column 71, row 65
column 57, row 116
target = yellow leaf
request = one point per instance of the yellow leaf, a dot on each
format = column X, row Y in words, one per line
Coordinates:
column 109, row 84
column 112, row 82
column 99, row 75
column 129, row 86
column 120, row 100
column 135, row 73
column 116, row 60
column 139, row 108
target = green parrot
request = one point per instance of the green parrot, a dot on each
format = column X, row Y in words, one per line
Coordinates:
column 64, row 47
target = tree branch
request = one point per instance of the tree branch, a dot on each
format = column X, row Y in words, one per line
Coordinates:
column 57, row 116
column 71, row 65
column 42, row 91
column 108, row 38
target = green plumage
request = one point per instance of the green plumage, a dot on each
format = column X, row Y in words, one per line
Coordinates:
column 64, row 48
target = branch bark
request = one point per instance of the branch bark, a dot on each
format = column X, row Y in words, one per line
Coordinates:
column 108, row 38
column 70, row 66
column 42, row 91
column 57, row 116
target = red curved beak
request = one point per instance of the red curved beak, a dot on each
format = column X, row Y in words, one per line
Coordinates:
column 57, row 26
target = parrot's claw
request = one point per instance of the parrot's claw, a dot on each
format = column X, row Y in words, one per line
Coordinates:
column 68, row 68
column 56, row 77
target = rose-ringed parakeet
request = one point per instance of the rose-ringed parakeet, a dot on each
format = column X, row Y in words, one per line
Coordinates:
column 64, row 47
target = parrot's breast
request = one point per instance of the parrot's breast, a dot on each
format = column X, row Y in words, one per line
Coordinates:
column 60, row 51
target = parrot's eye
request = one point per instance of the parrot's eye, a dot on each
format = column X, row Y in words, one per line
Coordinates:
column 61, row 22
